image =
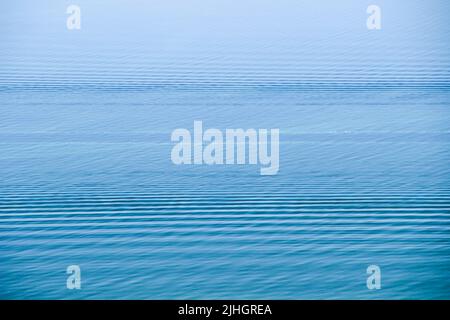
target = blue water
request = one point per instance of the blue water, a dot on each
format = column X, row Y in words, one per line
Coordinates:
column 86, row 176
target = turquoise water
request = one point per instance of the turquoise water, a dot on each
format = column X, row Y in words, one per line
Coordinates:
column 87, row 179
column 141, row 227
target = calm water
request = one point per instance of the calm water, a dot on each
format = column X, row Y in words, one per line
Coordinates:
column 86, row 176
